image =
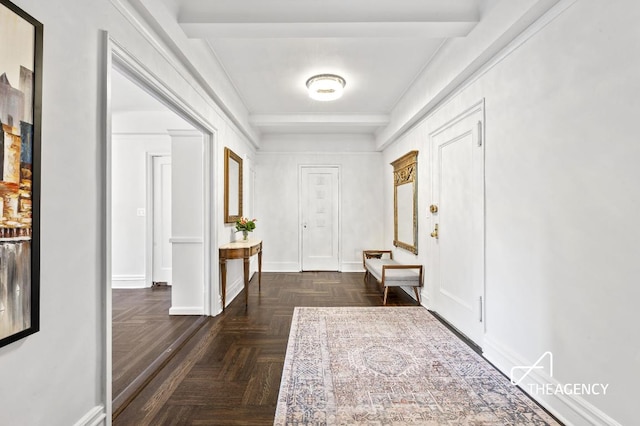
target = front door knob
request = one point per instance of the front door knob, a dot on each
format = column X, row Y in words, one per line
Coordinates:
column 434, row 234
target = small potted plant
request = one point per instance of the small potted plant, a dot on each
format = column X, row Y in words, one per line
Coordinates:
column 245, row 225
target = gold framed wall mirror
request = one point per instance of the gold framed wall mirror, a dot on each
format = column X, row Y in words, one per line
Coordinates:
column 232, row 186
column 405, row 202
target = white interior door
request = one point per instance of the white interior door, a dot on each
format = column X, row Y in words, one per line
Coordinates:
column 458, row 248
column 161, row 217
column 319, row 198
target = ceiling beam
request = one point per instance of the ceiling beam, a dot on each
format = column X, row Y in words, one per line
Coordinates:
column 328, row 18
column 328, row 30
column 350, row 120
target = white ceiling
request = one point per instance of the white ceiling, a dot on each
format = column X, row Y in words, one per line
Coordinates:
column 269, row 48
column 270, row 74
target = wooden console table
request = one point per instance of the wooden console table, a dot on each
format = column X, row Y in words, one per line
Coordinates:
column 239, row 250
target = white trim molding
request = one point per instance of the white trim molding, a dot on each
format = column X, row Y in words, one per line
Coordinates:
column 425, row 298
column 185, row 133
column 186, row 240
column 233, row 290
column 280, row 267
column 569, row 409
column 186, row 310
column 129, row 281
column 351, row 266
column 95, row 417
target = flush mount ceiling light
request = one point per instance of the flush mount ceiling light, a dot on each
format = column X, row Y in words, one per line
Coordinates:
column 325, row 87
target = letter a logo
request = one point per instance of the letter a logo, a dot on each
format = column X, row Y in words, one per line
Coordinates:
column 525, row 370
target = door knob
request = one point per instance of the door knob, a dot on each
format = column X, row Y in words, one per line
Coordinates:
column 433, row 208
column 434, row 234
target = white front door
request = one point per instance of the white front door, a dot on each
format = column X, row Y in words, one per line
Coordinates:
column 457, row 155
column 161, row 216
column 319, row 198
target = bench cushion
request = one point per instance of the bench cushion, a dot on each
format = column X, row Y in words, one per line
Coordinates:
column 393, row 277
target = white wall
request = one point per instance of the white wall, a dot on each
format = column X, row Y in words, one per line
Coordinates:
column 459, row 58
column 187, row 223
column 236, row 142
column 413, row 140
column 134, row 135
column 56, row 376
column 187, row 298
column 561, row 196
column 277, row 199
column 129, row 193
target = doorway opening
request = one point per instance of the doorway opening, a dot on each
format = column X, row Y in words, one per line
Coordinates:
column 157, row 159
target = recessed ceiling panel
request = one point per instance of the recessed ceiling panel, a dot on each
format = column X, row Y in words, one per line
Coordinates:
column 269, row 48
column 270, row 74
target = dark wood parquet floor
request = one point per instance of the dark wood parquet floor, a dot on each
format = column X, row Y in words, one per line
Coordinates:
column 142, row 331
column 229, row 372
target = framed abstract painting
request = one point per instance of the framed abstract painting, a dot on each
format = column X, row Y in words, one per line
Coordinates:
column 20, row 114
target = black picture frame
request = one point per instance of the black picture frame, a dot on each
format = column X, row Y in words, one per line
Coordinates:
column 20, row 146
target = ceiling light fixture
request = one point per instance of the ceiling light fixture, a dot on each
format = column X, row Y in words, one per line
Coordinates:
column 325, row 87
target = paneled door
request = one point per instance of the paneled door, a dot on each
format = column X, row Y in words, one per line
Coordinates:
column 161, row 216
column 457, row 168
column 319, row 214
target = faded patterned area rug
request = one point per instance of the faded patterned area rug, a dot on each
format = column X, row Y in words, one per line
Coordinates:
column 391, row 366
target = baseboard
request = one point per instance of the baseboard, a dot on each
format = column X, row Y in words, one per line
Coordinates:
column 411, row 293
column 295, row 267
column 128, row 281
column 280, row 267
column 186, row 310
column 569, row 409
column 352, row 267
column 95, row 417
column 425, row 300
column 234, row 289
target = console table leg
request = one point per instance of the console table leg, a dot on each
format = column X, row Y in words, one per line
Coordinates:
column 259, row 269
column 246, row 281
column 223, row 281
column 415, row 289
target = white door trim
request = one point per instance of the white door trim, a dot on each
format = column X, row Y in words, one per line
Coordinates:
column 319, row 166
column 107, row 375
column 148, row 258
column 477, row 107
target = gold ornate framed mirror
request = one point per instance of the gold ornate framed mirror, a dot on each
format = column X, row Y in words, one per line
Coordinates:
column 232, row 186
column 405, row 202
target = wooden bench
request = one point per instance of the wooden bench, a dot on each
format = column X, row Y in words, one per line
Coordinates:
column 391, row 273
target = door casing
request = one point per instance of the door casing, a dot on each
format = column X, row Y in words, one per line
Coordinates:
column 336, row 206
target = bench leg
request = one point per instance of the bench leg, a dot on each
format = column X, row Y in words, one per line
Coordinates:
column 386, row 290
column 415, row 289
